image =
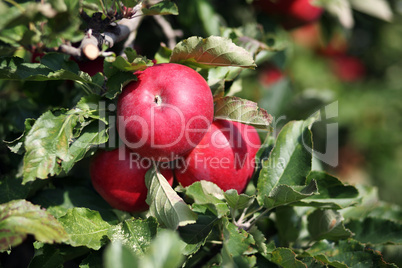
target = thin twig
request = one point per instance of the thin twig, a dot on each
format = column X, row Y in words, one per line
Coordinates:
column 92, row 42
column 169, row 32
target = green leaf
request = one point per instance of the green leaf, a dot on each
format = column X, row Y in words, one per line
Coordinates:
column 263, row 154
column 327, row 224
column 138, row 63
column 285, row 195
column 289, row 163
column 116, row 82
column 85, row 227
column 135, row 234
column 17, row 146
column 93, row 260
column 14, row 68
column 372, row 207
column 285, row 258
column 164, row 203
column 118, row 255
column 90, row 107
column 347, row 253
column 47, row 144
column 163, row 54
column 11, row 188
column 332, row 193
column 92, row 135
column 195, row 235
column 59, row 201
column 376, row 231
column 209, row 194
column 162, row 8
column 241, row 110
column 235, row 243
column 238, row 201
column 211, row 52
column 260, row 240
column 165, row 251
column 218, row 76
column 211, row 21
column 48, row 257
column 376, row 8
column 19, row 218
column 288, row 224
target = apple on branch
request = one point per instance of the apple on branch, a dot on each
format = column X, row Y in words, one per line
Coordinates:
column 166, row 112
column 225, row 156
column 119, row 177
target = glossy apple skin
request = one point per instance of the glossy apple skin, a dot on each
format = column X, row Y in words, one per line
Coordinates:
column 291, row 13
column 166, row 112
column 225, row 156
column 121, row 182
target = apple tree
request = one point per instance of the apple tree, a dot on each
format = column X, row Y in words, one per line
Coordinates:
column 157, row 133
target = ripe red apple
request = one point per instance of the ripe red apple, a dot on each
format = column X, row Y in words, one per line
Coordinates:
column 290, row 13
column 91, row 67
column 166, row 112
column 308, row 36
column 270, row 75
column 225, row 156
column 119, row 177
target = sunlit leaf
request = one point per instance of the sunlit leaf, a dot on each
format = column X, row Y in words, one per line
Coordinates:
column 241, row 110
column 136, row 234
column 47, row 143
column 211, row 52
column 283, row 176
column 164, row 203
column 118, row 255
column 19, row 218
column 208, row 194
column 85, row 227
column 162, row 8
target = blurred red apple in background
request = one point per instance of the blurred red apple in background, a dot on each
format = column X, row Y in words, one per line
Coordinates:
column 270, row 75
column 347, row 68
column 91, row 67
column 290, row 13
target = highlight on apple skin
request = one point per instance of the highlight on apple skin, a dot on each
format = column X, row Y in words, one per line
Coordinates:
column 119, row 177
column 225, row 156
column 166, row 112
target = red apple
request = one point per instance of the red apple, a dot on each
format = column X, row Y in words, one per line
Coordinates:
column 270, row 75
column 290, row 13
column 347, row 68
column 308, row 36
column 91, row 67
column 36, row 56
column 225, row 156
column 166, row 112
column 119, row 177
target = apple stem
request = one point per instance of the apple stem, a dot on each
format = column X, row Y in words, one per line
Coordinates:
column 158, row 100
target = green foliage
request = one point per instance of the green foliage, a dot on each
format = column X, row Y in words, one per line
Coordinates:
column 295, row 212
column 18, row 218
